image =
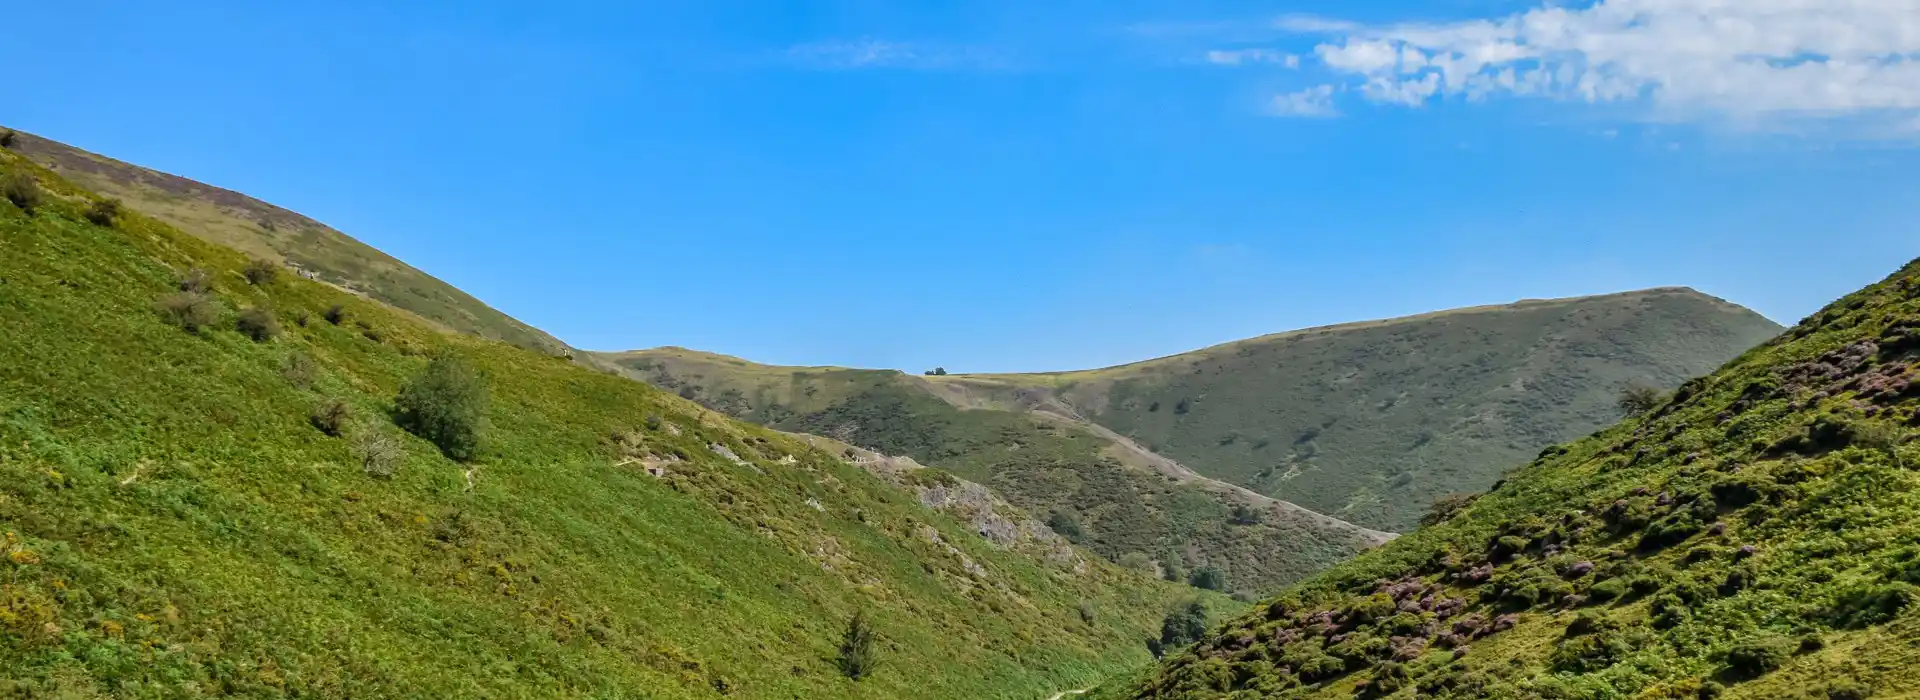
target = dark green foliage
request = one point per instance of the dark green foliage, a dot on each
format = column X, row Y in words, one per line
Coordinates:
column 1594, row 651
column 1066, row 526
column 1244, row 514
column 1208, row 577
column 9, row 139
column 260, row 272
column 1182, row 626
column 937, row 372
column 22, row 191
column 1759, row 654
column 1871, row 605
column 1444, row 507
column 258, row 324
column 299, row 369
column 336, row 314
column 447, row 405
column 1637, row 399
column 859, row 654
column 331, row 416
column 1087, row 613
column 191, row 311
column 103, row 212
column 196, row 281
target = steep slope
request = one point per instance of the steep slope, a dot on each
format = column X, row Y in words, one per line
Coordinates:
column 263, row 230
column 1372, row 421
column 1757, row 536
column 178, row 518
column 1116, row 500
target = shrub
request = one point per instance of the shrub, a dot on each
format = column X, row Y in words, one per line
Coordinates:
column 937, row 372
column 196, row 280
column 378, row 451
column 258, row 324
column 1444, row 507
column 1087, row 614
column 9, row 138
column 1668, row 611
column 191, row 311
column 1593, row 652
column 104, row 212
column 260, row 272
column 335, row 314
column 1208, row 577
column 300, row 370
column 1871, row 605
column 1757, row 655
column 1066, row 526
column 1637, row 399
column 331, row 416
column 22, row 191
column 1137, row 561
column 1182, row 626
column 1244, row 514
column 446, row 404
column 857, row 658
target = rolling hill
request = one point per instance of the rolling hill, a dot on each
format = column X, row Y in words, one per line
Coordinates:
column 205, row 489
column 1752, row 536
column 266, row 231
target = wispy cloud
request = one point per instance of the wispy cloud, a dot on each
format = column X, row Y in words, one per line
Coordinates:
column 1742, row 61
column 1313, row 103
column 1237, row 57
column 852, row 54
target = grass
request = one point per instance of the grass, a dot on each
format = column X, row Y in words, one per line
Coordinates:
column 1753, row 536
column 175, row 525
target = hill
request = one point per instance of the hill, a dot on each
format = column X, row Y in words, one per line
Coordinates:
column 265, row 231
column 204, row 490
column 1098, row 489
column 1370, row 422
column 1753, row 536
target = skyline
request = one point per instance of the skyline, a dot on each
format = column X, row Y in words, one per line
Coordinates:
column 1028, row 189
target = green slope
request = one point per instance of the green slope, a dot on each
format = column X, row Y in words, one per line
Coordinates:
column 172, row 525
column 1121, row 509
column 263, row 230
column 1757, row 536
column 1370, row 422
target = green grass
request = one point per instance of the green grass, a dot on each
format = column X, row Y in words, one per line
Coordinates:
column 1042, row 466
column 1753, row 537
column 172, row 525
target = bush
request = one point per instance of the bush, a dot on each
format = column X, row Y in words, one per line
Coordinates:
column 1247, row 515
column 857, row 658
column 1637, row 399
column 936, row 372
column 1087, row 614
column 335, row 314
column 1755, row 656
column 104, row 212
column 258, row 324
column 331, row 416
column 1871, row 605
column 1066, row 526
column 1444, row 507
column 1208, row 577
column 447, row 405
column 1184, row 625
column 191, row 311
column 1137, row 561
column 23, row 191
column 196, row 280
column 9, row 138
column 300, row 370
column 378, row 451
column 260, row 272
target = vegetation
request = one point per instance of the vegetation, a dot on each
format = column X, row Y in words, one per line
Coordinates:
column 191, row 311
column 1637, row 399
column 261, row 272
column 172, row 525
column 1753, row 536
column 22, row 191
column 1182, row 626
column 446, row 404
column 9, row 138
column 258, row 324
column 104, row 211
column 858, row 655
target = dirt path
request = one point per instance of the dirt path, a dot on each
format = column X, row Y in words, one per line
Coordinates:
column 1064, row 693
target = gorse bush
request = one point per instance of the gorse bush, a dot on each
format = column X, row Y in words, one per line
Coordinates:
column 1208, row 577
column 335, row 314
column 446, row 404
column 378, row 451
column 1637, row 399
column 858, row 654
column 260, row 273
column 331, row 416
column 196, row 280
column 191, row 311
column 258, row 324
column 9, row 138
column 300, row 370
column 22, row 191
column 1182, row 626
column 103, row 212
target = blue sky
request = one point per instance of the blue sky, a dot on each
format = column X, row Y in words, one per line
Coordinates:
column 999, row 186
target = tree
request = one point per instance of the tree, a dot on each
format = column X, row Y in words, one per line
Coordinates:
column 9, row 138
column 1208, row 577
column 1244, row 514
column 446, row 404
column 936, row 372
column 1065, row 525
column 1638, row 398
column 857, row 658
column 1184, row 625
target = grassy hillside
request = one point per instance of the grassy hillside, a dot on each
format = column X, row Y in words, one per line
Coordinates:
column 1079, row 481
column 1756, row 536
column 174, row 521
column 1370, row 422
column 260, row 229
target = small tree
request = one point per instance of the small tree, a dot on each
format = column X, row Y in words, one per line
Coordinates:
column 1208, row 577
column 331, row 416
column 1637, row 398
column 9, row 138
column 1182, row 626
column 191, row 311
column 937, row 372
column 1244, row 514
column 857, row 653
column 1065, row 525
column 258, row 324
column 103, row 212
column 446, row 404
column 261, row 273
column 378, row 451
column 23, row 192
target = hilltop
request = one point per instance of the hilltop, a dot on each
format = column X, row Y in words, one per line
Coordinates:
column 263, row 230
column 1750, row 536
column 205, row 490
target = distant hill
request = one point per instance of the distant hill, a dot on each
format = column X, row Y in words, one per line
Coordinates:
column 1754, row 535
column 1098, row 489
column 263, row 230
column 1372, row 421
column 204, row 491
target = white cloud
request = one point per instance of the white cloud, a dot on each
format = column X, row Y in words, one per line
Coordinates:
column 1237, row 57
column 1746, row 61
column 841, row 54
column 1314, row 102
